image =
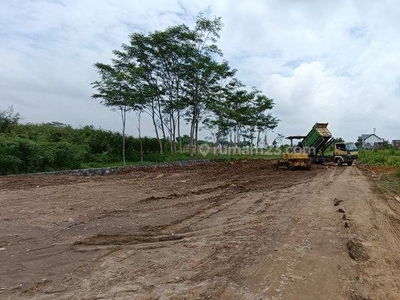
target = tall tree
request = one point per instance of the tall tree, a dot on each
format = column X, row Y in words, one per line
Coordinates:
column 172, row 50
column 141, row 52
column 202, row 71
column 115, row 90
column 240, row 113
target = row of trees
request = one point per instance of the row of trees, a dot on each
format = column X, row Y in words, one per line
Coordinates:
column 178, row 75
column 26, row 148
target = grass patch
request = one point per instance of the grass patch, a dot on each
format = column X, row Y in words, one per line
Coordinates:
column 390, row 183
column 389, row 157
column 386, row 163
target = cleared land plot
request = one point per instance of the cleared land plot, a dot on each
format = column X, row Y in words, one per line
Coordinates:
column 243, row 230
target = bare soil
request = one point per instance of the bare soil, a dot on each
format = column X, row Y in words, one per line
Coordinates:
column 243, row 230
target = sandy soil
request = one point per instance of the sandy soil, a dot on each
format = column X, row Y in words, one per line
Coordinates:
column 243, row 230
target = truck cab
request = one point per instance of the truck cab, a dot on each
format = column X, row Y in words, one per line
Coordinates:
column 345, row 153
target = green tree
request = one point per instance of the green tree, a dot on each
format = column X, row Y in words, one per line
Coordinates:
column 203, row 72
column 139, row 54
column 173, row 52
column 116, row 90
column 241, row 114
column 8, row 118
column 176, row 74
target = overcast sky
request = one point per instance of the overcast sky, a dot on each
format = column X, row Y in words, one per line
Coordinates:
column 321, row 61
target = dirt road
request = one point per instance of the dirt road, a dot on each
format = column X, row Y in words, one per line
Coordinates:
column 243, row 230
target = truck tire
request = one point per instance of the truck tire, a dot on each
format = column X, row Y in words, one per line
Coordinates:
column 339, row 161
column 350, row 163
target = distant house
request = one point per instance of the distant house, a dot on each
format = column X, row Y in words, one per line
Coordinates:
column 396, row 143
column 370, row 141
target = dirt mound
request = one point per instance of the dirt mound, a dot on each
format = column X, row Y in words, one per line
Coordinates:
column 380, row 169
column 357, row 250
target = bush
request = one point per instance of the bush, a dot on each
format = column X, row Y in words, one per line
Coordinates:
column 47, row 147
column 69, row 156
column 381, row 157
column 10, row 165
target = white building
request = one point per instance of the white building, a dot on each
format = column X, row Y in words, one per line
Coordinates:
column 369, row 141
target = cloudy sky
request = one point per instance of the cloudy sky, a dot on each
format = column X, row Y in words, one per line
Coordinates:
column 321, row 61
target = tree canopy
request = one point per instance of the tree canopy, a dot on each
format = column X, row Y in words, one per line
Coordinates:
column 178, row 75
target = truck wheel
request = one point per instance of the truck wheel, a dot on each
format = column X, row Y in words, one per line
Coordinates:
column 339, row 162
column 350, row 163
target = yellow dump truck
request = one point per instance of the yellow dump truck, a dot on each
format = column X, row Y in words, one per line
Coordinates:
column 345, row 153
column 312, row 149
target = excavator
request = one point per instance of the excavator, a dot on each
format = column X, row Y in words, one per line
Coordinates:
column 311, row 150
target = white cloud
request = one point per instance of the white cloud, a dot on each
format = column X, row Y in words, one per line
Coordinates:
column 333, row 61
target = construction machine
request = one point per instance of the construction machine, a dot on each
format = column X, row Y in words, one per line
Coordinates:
column 294, row 157
column 312, row 149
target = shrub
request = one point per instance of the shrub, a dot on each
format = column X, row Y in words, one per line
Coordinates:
column 10, row 165
column 47, row 147
column 69, row 156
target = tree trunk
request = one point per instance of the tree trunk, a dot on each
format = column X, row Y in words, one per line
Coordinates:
column 161, row 119
column 192, row 130
column 178, row 115
column 266, row 139
column 197, row 133
column 153, row 117
column 252, row 136
column 179, row 132
column 258, row 139
column 171, row 132
column 123, row 116
column 140, row 136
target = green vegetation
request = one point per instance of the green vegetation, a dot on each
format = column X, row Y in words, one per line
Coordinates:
column 388, row 183
column 173, row 76
column 49, row 147
column 178, row 75
column 387, row 157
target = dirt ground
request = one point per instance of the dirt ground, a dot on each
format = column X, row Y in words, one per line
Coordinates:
column 243, row 230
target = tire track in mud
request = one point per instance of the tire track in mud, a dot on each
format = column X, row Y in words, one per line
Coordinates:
column 176, row 195
column 244, row 236
column 285, row 208
column 125, row 239
column 212, row 206
column 221, row 203
column 297, row 226
column 375, row 220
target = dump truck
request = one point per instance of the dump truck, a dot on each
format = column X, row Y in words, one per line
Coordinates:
column 312, row 147
column 318, row 140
